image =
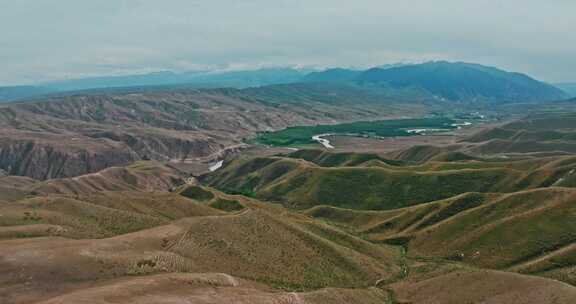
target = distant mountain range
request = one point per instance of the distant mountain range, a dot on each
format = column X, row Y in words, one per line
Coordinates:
column 236, row 79
column 569, row 88
column 332, row 75
column 453, row 81
column 232, row 79
column 440, row 80
column 20, row 92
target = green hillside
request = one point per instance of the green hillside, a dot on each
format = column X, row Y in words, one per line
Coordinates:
column 370, row 182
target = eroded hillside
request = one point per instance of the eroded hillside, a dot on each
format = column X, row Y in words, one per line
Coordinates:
column 74, row 135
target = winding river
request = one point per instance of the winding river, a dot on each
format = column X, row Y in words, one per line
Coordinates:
column 323, row 141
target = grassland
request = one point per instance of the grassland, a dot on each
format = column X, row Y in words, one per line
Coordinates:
column 259, row 253
column 125, row 234
column 159, row 245
column 424, row 224
column 370, row 182
column 478, row 229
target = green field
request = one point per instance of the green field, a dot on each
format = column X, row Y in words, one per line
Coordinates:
column 383, row 128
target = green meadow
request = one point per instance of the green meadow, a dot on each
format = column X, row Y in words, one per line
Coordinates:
column 384, row 128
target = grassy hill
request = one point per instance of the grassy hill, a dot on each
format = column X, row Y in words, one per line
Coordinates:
column 257, row 252
column 465, row 203
column 308, row 178
column 479, row 229
column 142, row 239
column 552, row 132
column 120, row 235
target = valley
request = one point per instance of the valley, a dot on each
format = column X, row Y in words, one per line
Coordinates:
column 69, row 136
column 377, row 129
column 373, row 133
column 490, row 194
column 287, row 152
column 292, row 193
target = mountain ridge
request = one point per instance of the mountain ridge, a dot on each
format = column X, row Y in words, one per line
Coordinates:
column 464, row 81
column 568, row 87
column 454, row 81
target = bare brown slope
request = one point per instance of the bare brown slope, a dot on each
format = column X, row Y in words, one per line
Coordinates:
column 209, row 288
column 489, row 287
column 95, row 216
column 209, row 259
column 213, row 288
column 286, row 250
column 140, row 176
column 110, row 202
column 42, row 155
column 14, row 187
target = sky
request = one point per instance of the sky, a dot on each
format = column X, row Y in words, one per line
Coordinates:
column 42, row 40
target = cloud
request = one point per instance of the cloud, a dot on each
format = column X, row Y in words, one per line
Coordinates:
column 47, row 39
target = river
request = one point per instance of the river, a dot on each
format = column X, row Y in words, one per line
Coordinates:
column 215, row 166
column 323, row 141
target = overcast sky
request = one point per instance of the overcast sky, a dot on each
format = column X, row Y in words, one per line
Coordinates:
column 55, row 39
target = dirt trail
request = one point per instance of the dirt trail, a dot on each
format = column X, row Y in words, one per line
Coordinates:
column 231, row 280
column 543, row 258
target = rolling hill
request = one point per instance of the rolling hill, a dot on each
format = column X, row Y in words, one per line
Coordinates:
column 305, row 178
column 150, row 246
column 405, row 198
column 552, row 132
column 299, row 184
column 479, row 229
column 422, row 224
column 127, row 234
